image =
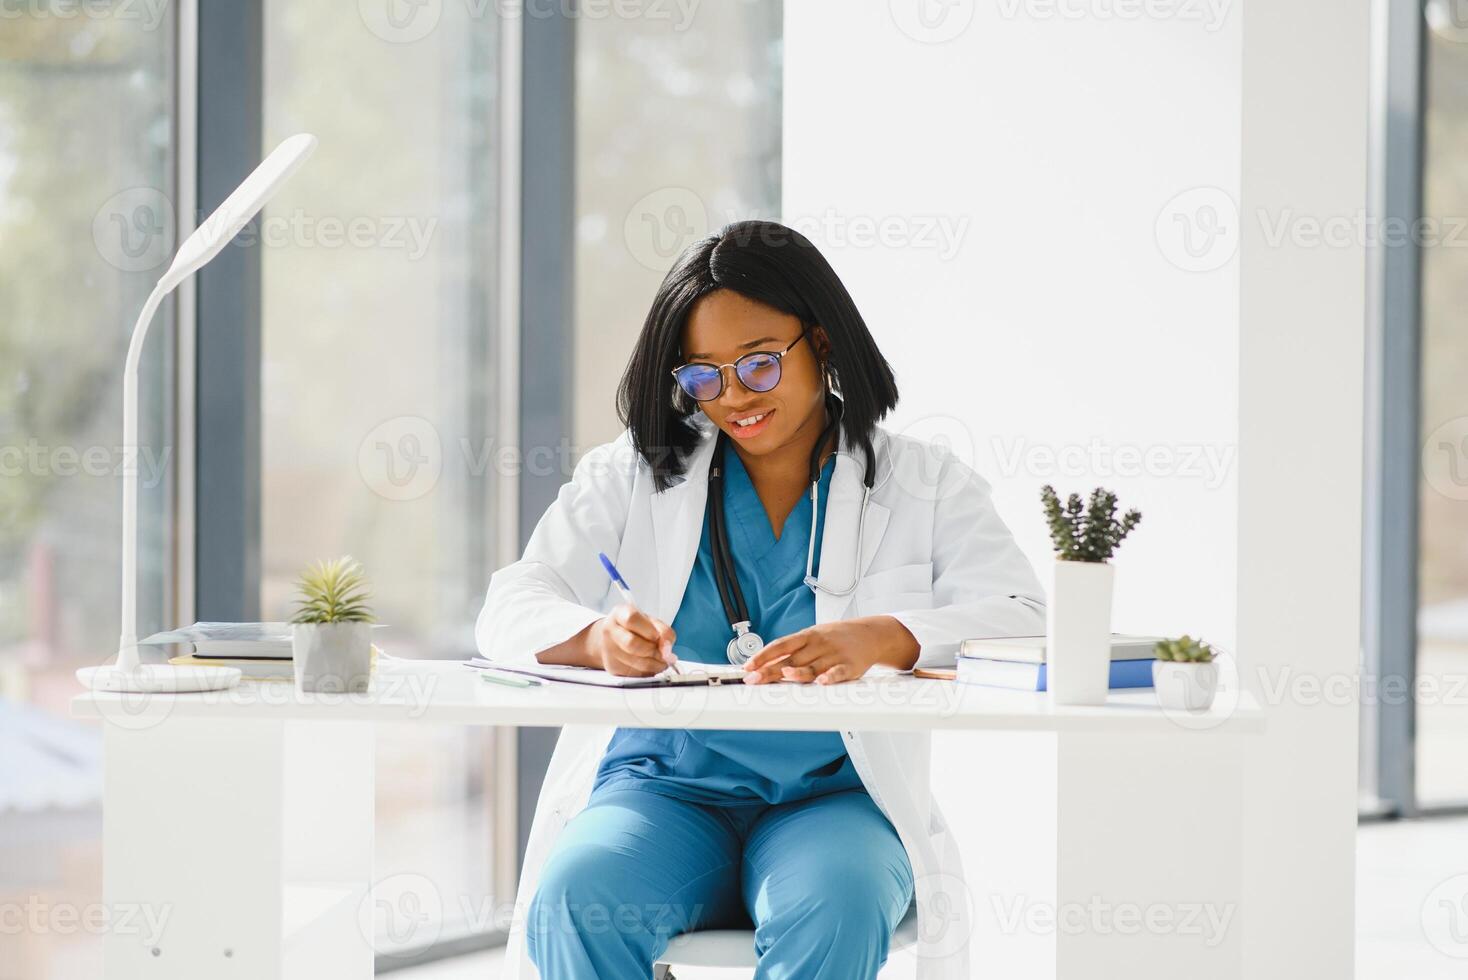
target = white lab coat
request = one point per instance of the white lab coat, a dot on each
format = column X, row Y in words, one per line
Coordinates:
column 935, row 555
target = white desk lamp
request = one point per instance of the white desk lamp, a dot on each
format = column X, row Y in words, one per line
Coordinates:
column 207, row 241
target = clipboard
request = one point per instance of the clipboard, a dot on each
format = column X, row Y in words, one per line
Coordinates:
column 694, row 674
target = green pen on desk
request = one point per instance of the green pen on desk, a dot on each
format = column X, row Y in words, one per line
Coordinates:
column 510, row 681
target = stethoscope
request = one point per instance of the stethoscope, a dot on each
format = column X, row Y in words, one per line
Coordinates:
column 746, row 643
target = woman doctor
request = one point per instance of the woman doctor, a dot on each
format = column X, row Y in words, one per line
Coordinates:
column 761, row 517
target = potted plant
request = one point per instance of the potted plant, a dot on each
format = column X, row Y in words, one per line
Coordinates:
column 1078, row 614
column 331, row 633
column 1185, row 674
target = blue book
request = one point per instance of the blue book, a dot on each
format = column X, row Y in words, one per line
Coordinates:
column 1019, row 676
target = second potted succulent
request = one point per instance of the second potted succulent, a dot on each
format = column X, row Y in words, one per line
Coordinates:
column 1185, row 674
column 1078, row 611
column 331, row 633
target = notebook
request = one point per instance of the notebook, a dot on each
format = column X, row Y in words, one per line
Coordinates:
column 1031, row 649
column 234, row 641
column 692, row 674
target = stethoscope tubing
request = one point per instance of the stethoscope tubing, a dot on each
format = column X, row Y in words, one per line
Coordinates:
column 810, row 554
column 726, row 578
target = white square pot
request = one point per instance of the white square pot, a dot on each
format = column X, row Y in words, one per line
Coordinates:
column 332, row 657
column 1078, row 632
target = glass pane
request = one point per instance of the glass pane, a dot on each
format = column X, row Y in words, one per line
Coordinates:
column 1442, row 652
column 378, row 387
column 86, row 226
column 677, row 133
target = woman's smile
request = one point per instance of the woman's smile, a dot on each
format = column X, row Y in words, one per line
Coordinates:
column 745, row 425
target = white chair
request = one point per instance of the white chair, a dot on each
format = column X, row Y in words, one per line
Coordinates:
column 734, row 948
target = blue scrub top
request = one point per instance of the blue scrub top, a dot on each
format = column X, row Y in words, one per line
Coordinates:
column 734, row 766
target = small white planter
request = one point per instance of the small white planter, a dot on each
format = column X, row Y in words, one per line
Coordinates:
column 332, row 657
column 1078, row 632
column 1185, row 686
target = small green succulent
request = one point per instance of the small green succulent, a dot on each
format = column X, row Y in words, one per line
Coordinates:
column 333, row 592
column 1086, row 531
column 1184, row 650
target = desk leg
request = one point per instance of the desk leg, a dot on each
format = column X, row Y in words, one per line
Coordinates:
column 238, row 849
column 1092, row 857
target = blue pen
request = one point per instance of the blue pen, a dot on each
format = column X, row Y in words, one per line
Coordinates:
column 626, row 592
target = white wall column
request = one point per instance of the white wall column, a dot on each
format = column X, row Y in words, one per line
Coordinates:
column 1301, row 381
column 1062, row 222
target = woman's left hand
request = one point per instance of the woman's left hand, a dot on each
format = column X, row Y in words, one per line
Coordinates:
column 831, row 652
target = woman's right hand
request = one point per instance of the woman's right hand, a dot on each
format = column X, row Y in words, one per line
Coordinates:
column 630, row 643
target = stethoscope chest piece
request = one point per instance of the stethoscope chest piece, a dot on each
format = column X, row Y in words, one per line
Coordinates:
column 744, row 645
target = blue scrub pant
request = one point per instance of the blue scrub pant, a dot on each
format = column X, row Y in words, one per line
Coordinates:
column 824, row 881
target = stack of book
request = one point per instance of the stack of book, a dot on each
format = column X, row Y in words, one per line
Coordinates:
column 1018, row 662
column 262, row 651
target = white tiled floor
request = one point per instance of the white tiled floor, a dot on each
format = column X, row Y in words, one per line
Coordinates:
column 486, row 966
column 475, row 966
column 1405, row 871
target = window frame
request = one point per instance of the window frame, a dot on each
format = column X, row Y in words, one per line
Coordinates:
column 227, row 98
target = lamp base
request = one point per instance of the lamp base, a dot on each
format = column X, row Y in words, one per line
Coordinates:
column 158, row 679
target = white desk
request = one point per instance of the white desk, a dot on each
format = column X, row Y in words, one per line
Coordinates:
column 246, row 816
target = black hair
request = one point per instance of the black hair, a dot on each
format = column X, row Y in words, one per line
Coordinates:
column 771, row 264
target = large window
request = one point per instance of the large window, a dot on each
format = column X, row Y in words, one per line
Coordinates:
column 378, row 387
column 677, row 133
column 388, row 385
column 1442, row 647
column 1415, row 707
column 86, row 226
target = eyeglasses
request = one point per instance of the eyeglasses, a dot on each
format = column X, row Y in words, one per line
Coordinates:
column 758, row 371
